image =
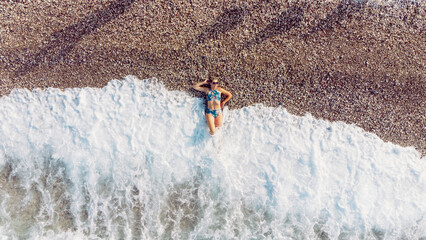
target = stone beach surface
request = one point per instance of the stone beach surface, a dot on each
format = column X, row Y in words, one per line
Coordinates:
column 360, row 62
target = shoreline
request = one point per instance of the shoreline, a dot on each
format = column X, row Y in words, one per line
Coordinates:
column 351, row 62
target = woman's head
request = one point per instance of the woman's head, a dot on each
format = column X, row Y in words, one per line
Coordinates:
column 213, row 80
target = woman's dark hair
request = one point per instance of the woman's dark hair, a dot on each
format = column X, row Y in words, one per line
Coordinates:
column 212, row 76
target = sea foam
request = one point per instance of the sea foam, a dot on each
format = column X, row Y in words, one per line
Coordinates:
column 135, row 161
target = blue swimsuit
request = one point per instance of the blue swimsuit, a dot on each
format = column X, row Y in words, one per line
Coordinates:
column 213, row 95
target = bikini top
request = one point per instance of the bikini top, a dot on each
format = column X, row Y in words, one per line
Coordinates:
column 213, row 94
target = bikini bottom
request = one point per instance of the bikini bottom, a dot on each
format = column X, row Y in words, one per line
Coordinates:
column 214, row 112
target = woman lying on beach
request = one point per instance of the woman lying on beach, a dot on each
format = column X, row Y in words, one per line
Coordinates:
column 214, row 104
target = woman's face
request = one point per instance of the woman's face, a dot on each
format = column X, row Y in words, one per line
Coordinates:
column 214, row 83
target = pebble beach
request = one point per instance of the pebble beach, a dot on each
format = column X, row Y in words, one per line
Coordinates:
column 360, row 62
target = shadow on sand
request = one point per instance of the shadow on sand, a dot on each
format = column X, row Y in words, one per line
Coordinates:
column 62, row 42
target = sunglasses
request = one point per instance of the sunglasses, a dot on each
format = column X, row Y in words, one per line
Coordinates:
column 215, row 82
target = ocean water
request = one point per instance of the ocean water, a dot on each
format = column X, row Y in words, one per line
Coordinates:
column 135, row 161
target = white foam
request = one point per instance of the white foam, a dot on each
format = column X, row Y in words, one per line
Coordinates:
column 133, row 160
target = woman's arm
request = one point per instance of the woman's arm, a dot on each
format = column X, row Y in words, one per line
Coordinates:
column 198, row 87
column 228, row 97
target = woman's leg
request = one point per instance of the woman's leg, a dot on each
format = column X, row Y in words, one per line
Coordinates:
column 211, row 123
column 218, row 120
